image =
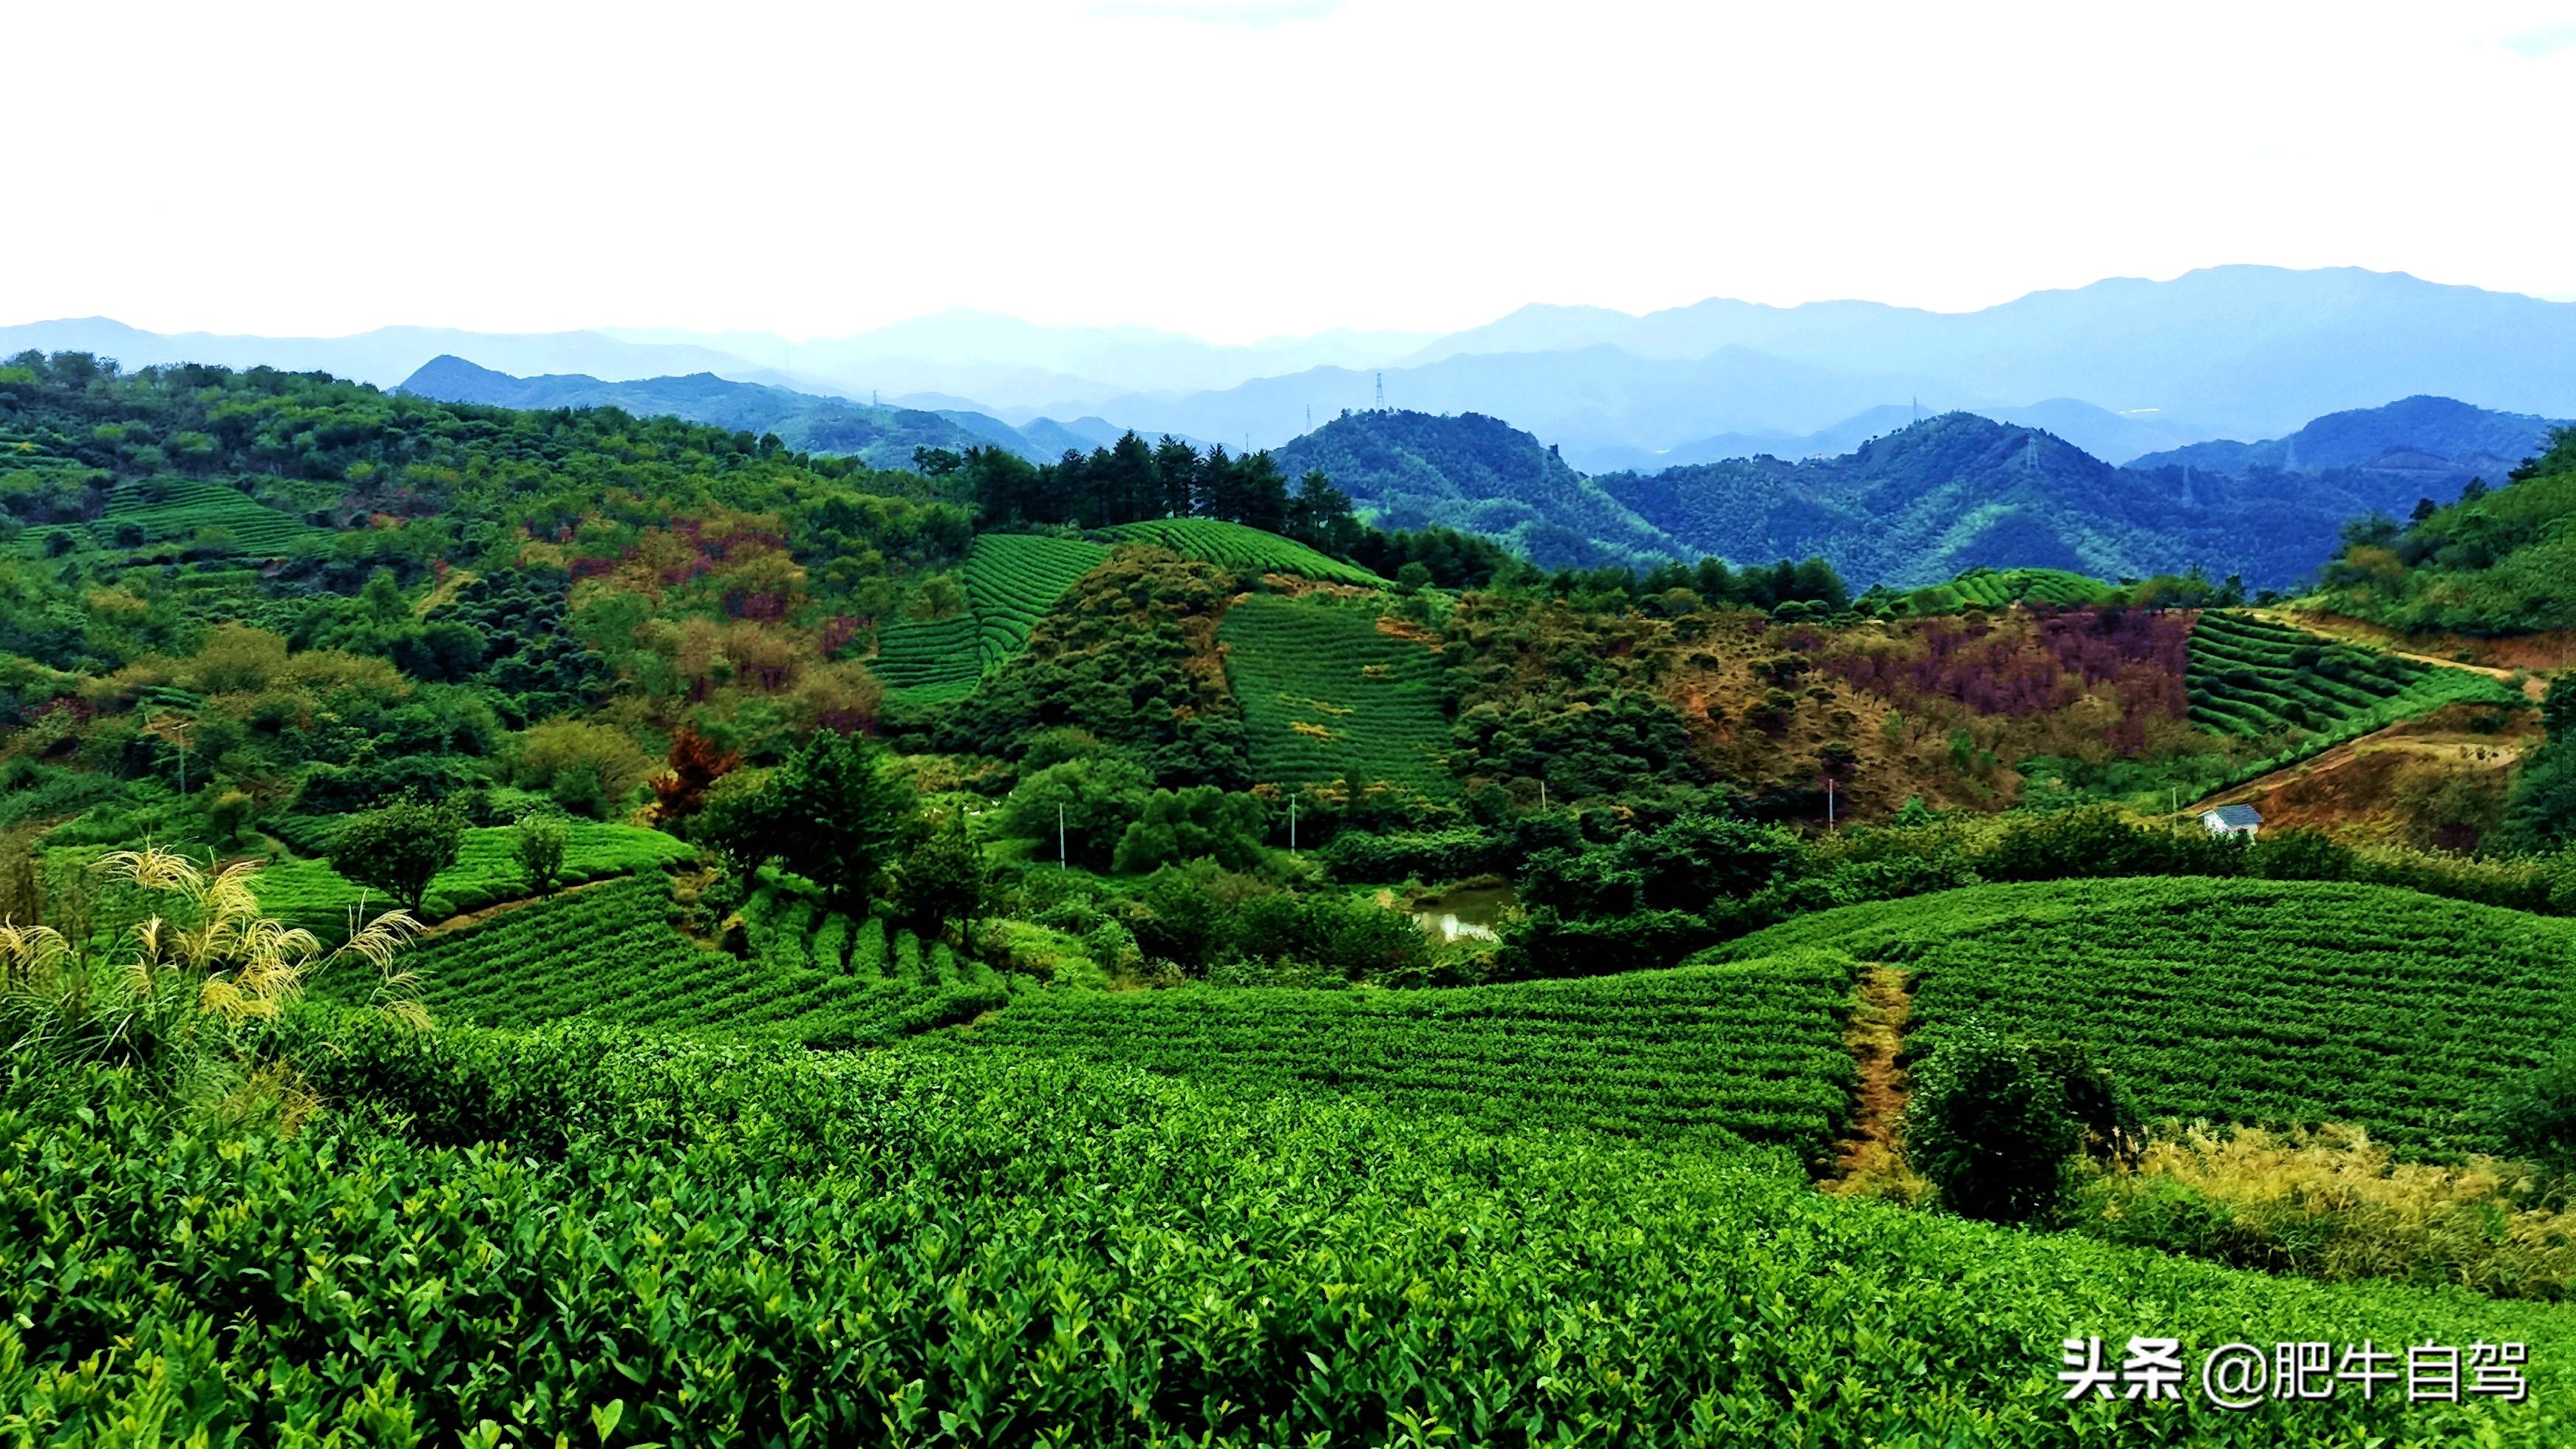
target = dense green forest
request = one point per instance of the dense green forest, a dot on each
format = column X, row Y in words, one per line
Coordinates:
column 682, row 938
column 1477, row 475
column 1923, row 503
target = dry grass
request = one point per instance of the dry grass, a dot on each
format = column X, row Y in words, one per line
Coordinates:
column 204, row 979
column 1871, row 1162
column 2332, row 1204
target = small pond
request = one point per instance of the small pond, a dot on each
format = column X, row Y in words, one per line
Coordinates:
column 1466, row 914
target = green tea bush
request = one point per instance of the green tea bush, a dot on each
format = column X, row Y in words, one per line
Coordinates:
column 1327, row 696
column 1245, row 549
column 1752, row 1051
column 624, row 1241
column 2273, row 1003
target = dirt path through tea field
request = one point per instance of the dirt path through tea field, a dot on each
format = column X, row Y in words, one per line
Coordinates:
column 1876, row 1035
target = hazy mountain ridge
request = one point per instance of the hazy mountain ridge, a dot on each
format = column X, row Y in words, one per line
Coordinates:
column 2437, row 435
column 2243, row 349
column 881, row 436
column 2112, row 437
column 2244, row 352
column 385, row 357
column 1587, row 399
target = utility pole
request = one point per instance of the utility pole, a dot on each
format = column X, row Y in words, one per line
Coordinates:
column 1829, row 804
column 1059, row 836
column 1292, row 826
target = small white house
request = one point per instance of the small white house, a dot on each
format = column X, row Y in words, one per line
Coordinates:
column 2242, row 820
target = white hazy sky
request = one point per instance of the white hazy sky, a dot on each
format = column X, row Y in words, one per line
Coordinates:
column 1237, row 168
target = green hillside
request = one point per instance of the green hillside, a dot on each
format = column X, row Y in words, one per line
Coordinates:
column 166, row 514
column 1326, row 694
column 1480, row 475
column 2496, row 563
column 1995, row 588
column 929, row 653
column 1955, row 492
column 2253, row 679
column 2269, row 1002
column 947, row 1060
column 1011, row 581
column 1238, row 547
column 2249, row 676
column 309, row 893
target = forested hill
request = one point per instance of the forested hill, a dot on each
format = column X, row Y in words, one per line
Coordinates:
column 1927, row 502
column 1915, row 507
column 1960, row 491
column 2417, row 435
column 1478, row 475
column 2500, row 561
column 881, row 437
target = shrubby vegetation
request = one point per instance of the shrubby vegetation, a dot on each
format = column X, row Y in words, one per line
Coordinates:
column 2543, row 810
column 2333, row 1205
column 1995, row 1123
column 2495, row 562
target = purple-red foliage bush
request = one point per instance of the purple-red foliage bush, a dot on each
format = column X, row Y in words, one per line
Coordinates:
column 2034, row 664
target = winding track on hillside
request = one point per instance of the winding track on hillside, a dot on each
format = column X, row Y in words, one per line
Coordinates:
column 2534, row 688
column 2533, row 685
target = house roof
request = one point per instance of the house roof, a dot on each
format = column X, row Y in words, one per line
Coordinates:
column 2236, row 817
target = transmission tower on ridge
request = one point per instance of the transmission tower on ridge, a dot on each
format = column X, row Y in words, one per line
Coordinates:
column 1381, row 392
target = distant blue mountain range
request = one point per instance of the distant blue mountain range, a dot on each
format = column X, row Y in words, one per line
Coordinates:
column 2122, row 367
column 884, row 437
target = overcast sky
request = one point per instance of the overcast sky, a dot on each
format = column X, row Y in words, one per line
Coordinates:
column 1237, row 168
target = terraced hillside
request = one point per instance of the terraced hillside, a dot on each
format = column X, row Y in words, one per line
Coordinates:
column 610, row 953
column 1330, row 691
column 173, row 512
column 2269, row 1002
column 926, row 654
column 1238, row 547
column 2252, row 677
column 1011, row 581
column 1995, row 588
column 1750, row 1050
